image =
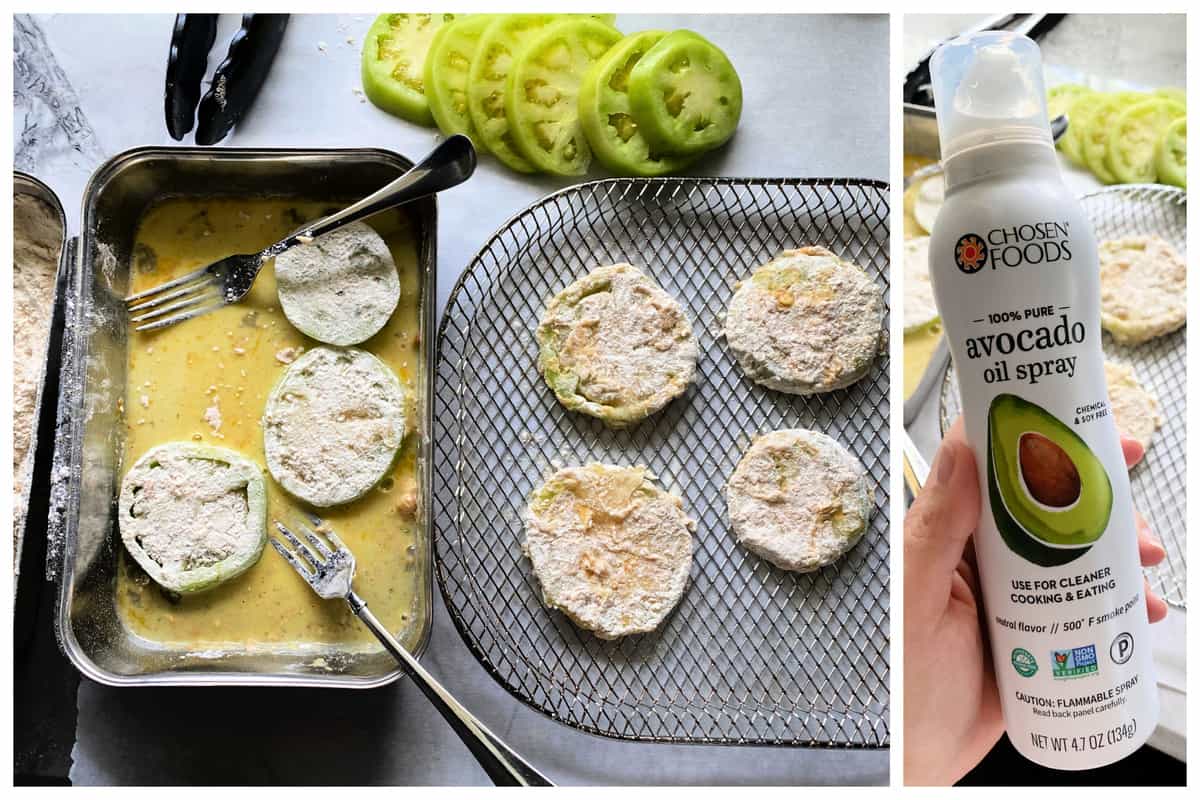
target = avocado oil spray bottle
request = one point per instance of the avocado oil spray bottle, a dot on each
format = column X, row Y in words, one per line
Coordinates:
column 1017, row 281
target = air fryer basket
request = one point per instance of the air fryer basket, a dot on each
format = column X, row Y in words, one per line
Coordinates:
column 753, row 654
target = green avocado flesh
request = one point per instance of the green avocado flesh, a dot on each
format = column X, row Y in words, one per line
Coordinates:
column 1050, row 495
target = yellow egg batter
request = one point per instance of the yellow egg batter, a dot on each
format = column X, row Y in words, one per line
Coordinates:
column 206, row 380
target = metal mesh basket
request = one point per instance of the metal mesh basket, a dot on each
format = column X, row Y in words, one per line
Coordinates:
column 1159, row 483
column 753, row 654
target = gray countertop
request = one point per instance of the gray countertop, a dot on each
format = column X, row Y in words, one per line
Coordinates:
column 88, row 87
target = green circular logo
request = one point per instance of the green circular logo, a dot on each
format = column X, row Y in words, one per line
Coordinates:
column 1023, row 662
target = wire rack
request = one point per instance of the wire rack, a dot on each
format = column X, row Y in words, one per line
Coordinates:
column 1159, row 483
column 753, row 654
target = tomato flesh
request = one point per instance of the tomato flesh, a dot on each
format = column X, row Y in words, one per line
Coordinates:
column 541, row 99
column 1171, row 157
column 607, row 118
column 1095, row 137
column 448, row 70
column 1134, row 136
column 393, row 63
column 1062, row 100
column 489, row 78
column 685, row 94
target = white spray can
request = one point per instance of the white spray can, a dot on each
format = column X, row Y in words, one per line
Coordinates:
column 1016, row 276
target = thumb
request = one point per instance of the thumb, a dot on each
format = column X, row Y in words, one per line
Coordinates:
column 941, row 520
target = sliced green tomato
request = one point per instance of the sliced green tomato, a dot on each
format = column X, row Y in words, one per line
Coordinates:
column 1095, row 136
column 393, row 63
column 685, row 95
column 1170, row 160
column 1078, row 120
column 447, row 71
column 1061, row 100
column 1134, row 136
column 541, row 100
column 1172, row 93
column 607, row 118
column 489, row 77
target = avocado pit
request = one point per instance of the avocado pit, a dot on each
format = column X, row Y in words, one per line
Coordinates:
column 1049, row 473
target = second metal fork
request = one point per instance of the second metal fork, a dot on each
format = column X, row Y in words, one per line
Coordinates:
column 327, row 566
column 228, row 280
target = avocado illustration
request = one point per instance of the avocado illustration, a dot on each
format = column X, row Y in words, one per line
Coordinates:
column 1050, row 495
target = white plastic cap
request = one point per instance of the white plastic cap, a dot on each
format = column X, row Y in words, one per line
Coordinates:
column 989, row 89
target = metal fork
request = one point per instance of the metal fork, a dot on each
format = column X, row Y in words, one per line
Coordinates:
column 328, row 567
column 228, row 280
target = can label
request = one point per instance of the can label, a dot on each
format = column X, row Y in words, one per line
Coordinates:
column 1016, row 277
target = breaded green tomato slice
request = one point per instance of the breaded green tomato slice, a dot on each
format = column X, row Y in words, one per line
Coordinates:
column 805, row 322
column 333, row 425
column 340, row 288
column 615, row 346
column 799, row 499
column 193, row 516
column 611, row 549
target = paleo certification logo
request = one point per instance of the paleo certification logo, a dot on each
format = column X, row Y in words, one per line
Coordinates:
column 970, row 254
column 1077, row 662
column 1024, row 662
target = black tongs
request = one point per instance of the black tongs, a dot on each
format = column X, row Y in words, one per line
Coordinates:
column 236, row 81
column 918, row 89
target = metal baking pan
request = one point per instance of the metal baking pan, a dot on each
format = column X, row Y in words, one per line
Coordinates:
column 29, row 514
column 37, row 460
column 82, row 536
column 752, row 654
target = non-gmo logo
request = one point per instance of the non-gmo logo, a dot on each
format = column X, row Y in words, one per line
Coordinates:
column 970, row 254
column 1024, row 662
column 1075, row 662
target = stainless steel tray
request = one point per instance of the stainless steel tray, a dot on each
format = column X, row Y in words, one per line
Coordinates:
column 83, row 550
column 753, row 654
column 1159, row 483
column 38, row 458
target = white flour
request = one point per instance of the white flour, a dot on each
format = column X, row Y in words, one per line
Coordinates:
column 37, row 239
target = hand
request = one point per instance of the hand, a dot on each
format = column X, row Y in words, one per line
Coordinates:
column 951, row 703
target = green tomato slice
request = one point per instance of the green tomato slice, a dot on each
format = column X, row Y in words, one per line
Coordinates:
column 1095, row 136
column 393, row 63
column 1134, row 138
column 1062, row 100
column 1078, row 120
column 448, row 71
column 1172, row 93
column 541, row 100
column 685, row 95
column 607, row 118
column 1170, row 160
column 488, row 80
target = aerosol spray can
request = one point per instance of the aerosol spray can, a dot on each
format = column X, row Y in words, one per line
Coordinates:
column 1017, row 281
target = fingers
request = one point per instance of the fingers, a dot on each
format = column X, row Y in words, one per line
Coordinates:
column 1150, row 549
column 940, row 522
column 1156, row 607
column 1151, row 552
column 1132, row 450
